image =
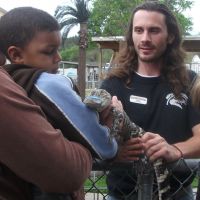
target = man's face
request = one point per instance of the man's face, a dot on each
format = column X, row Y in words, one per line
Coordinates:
column 42, row 51
column 150, row 36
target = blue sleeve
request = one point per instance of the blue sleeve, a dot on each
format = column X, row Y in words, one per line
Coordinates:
column 58, row 89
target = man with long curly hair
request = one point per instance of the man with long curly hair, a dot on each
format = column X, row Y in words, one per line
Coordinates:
column 152, row 82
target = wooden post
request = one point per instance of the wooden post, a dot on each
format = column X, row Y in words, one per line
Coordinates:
column 82, row 59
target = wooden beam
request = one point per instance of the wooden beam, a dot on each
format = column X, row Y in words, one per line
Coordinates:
column 190, row 43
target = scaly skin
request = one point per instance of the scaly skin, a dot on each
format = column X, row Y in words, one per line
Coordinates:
column 99, row 99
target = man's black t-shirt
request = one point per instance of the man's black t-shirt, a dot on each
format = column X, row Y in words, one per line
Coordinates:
column 151, row 104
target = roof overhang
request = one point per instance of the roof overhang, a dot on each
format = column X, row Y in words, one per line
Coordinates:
column 190, row 43
column 2, row 10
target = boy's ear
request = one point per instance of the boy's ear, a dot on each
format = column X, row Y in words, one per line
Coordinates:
column 15, row 54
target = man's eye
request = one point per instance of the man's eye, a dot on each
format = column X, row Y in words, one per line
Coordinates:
column 138, row 30
column 155, row 30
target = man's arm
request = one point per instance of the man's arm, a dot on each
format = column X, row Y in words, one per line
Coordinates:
column 33, row 149
column 157, row 147
column 190, row 148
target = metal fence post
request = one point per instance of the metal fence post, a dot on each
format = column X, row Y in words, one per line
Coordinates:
column 145, row 188
column 198, row 187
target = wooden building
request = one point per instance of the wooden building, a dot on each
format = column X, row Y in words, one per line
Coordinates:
column 2, row 11
column 190, row 44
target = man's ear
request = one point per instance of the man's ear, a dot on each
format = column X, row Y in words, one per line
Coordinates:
column 170, row 39
column 15, row 54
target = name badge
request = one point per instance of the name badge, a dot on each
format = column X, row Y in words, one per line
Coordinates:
column 137, row 99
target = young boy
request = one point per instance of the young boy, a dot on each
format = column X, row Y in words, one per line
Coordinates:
column 18, row 148
column 30, row 39
column 28, row 142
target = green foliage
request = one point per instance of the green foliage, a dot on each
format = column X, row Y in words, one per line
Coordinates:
column 111, row 17
column 106, row 55
column 178, row 7
column 107, row 18
column 92, row 55
column 68, row 42
column 70, row 16
column 70, row 54
column 185, row 24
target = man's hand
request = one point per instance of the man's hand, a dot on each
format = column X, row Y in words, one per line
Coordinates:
column 156, row 147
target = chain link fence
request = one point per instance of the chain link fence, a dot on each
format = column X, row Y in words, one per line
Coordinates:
column 183, row 171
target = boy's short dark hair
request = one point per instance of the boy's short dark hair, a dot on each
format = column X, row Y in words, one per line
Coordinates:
column 19, row 25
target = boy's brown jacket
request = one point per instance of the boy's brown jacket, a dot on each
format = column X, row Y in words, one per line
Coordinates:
column 32, row 151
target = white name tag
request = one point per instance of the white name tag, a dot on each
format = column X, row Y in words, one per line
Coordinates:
column 137, row 99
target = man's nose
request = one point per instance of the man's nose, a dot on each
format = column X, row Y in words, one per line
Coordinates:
column 146, row 36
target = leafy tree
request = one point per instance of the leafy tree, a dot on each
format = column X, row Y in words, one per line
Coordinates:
column 178, row 7
column 68, row 17
column 70, row 54
column 111, row 17
column 70, row 41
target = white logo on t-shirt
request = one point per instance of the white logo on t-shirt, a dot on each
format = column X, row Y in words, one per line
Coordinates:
column 171, row 100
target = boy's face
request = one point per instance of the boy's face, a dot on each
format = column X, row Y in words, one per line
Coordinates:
column 41, row 51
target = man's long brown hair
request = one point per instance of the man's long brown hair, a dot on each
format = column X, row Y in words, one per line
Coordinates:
column 173, row 69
